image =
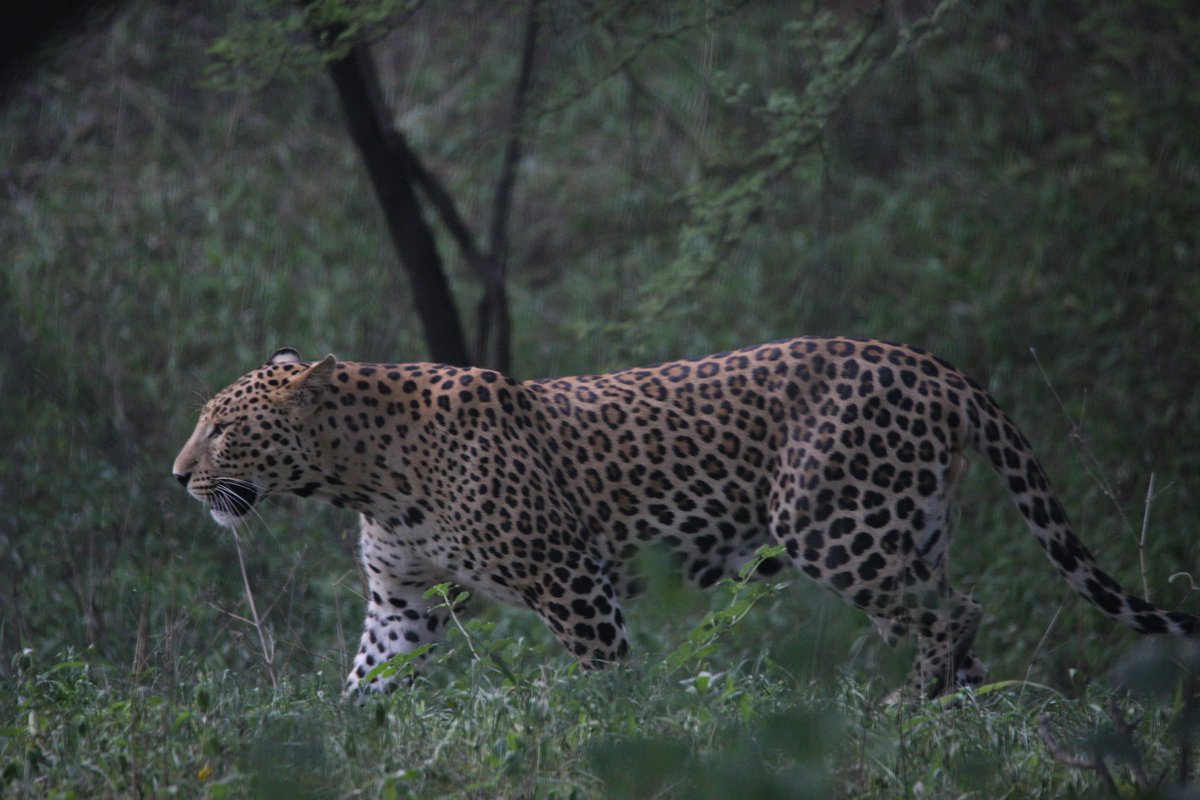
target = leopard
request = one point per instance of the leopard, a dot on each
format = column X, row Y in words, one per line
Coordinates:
column 844, row 454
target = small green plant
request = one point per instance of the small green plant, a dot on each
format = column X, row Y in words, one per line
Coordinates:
column 742, row 594
column 451, row 598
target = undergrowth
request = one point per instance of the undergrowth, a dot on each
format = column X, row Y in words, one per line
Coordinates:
column 492, row 716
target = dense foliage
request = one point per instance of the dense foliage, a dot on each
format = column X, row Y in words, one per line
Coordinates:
column 982, row 180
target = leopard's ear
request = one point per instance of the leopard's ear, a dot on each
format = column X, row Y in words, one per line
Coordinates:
column 306, row 388
column 284, row 355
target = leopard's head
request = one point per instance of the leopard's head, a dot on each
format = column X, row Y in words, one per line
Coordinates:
column 248, row 442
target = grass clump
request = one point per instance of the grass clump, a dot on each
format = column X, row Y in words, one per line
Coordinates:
column 493, row 716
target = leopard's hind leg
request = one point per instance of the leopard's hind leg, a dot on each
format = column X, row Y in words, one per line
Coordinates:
column 875, row 531
column 943, row 623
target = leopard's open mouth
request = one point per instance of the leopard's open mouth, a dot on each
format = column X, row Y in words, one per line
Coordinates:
column 233, row 499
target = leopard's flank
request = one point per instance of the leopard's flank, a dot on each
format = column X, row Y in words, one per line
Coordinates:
column 541, row 493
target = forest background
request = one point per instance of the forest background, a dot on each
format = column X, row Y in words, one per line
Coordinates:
column 1015, row 186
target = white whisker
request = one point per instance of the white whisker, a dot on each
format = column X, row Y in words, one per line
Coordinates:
column 239, row 482
column 224, row 499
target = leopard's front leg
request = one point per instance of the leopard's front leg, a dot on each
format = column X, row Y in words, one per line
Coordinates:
column 399, row 619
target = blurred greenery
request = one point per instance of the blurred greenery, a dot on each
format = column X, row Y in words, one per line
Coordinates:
column 983, row 179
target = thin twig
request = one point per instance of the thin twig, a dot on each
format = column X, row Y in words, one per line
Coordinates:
column 441, row 200
column 1091, row 463
column 1186, row 576
column 1121, row 726
column 337, row 620
column 135, row 710
column 1063, row 757
column 1126, row 730
column 1142, row 541
column 638, row 88
column 634, row 52
column 1185, row 731
column 1036, row 650
column 498, row 233
column 263, row 635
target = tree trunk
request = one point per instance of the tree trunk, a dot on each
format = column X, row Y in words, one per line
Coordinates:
column 383, row 149
column 494, row 343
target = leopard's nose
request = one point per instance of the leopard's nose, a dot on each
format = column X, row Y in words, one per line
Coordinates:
column 183, row 478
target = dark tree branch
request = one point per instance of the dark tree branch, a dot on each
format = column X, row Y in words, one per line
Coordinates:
column 639, row 88
column 493, row 325
column 443, row 203
column 498, row 240
column 392, row 178
column 395, row 170
column 636, row 50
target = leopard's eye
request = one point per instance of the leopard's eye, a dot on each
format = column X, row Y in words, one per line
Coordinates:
column 217, row 428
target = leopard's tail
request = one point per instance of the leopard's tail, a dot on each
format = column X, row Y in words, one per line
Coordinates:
column 997, row 437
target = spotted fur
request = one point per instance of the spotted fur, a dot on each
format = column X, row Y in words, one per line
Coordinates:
column 541, row 493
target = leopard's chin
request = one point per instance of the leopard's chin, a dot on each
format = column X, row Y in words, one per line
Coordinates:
column 225, row 519
column 231, row 501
